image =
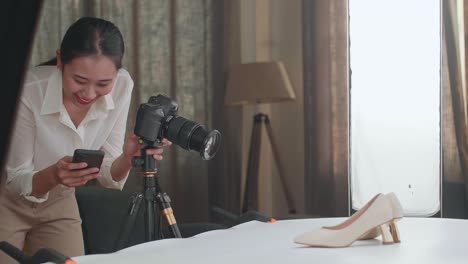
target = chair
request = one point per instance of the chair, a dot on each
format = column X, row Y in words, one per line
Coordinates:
column 103, row 212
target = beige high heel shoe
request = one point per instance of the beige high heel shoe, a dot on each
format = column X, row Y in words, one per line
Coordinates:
column 397, row 210
column 377, row 213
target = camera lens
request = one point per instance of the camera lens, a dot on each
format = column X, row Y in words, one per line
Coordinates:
column 207, row 143
column 192, row 136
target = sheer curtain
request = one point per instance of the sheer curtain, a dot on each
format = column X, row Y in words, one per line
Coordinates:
column 170, row 47
column 455, row 93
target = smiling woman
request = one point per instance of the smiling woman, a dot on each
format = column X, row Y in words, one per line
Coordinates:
column 82, row 102
column 83, row 84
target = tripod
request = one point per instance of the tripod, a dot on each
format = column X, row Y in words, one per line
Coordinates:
column 251, row 183
column 152, row 195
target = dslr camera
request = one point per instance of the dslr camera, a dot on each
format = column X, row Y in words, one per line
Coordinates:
column 158, row 119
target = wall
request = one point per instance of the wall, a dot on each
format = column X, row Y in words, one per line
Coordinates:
column 271, row 30
column 286, row 20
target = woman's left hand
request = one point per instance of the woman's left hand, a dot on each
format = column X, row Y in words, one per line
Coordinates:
column 132, row 148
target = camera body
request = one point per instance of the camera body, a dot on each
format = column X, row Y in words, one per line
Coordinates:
column 152, row 117
column 158, row 119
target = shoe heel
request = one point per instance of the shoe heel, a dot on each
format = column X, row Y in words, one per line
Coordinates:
column 394, row 231
column 387, row 237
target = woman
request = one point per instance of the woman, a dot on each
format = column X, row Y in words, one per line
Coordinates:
column 82, row 102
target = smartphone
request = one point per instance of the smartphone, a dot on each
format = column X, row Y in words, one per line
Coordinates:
column 92, row 157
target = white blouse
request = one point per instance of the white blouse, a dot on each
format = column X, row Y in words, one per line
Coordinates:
column 44, row 132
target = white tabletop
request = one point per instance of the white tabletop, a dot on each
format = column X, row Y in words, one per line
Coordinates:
column 424, row 240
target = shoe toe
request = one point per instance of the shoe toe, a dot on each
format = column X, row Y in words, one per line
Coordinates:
column 319, row 238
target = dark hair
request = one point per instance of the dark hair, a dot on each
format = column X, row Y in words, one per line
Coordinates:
column 91, row 36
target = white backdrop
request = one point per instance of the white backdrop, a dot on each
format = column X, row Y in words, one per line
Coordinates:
column 395, row 102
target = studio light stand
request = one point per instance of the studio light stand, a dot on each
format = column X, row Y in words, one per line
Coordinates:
column 251, row 183
column 153, row 196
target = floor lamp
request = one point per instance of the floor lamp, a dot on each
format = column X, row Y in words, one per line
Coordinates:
column 258, row 83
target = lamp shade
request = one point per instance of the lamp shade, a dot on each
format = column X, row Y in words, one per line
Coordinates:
column 256, row 83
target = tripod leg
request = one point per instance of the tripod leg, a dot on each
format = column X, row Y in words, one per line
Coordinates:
column 150, row 222
column 150, row 191
column 251, row 180
column 166, row 210
column 129, row 222
column 284, row 183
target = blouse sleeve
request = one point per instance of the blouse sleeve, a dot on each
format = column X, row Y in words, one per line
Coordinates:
column 20, row 168
column 114, row 143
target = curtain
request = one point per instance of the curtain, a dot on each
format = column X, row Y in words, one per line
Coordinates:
column 325, row 49
column 170, row 49
column 455, row 124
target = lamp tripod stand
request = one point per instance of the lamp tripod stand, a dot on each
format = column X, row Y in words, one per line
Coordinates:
column 250, row 201
column 153, row 196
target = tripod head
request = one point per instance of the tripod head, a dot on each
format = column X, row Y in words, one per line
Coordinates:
column 146, row 162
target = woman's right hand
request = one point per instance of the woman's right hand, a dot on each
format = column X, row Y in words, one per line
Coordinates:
column 74, row 174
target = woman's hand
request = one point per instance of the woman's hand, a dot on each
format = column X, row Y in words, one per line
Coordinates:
column 74, row 174
column 133, row 148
